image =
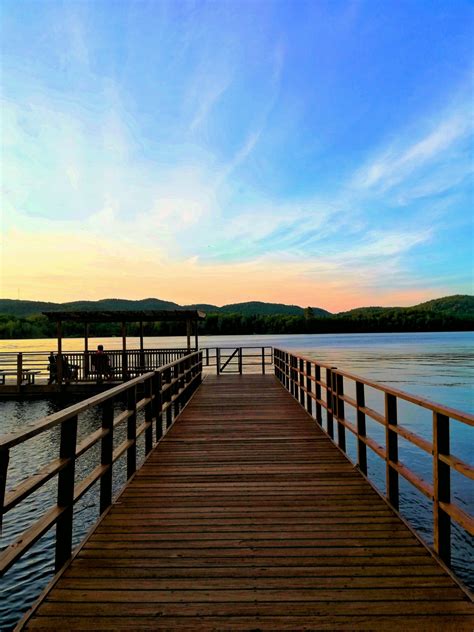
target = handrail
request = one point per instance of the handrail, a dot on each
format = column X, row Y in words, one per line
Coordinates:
column 22, row 366
column 302, row 376
column 239, row 357
column 163, row 394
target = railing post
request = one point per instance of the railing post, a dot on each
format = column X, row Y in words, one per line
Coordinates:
column 441, row 487
column 218, row 360
column 175, row 390
column 361, row 429
column 287, row 371
column 4, row 458
column 263, row 360
column 19, row 369
column 107, row 451
column 319, row 417
column 240, row 360
column 67, row 451
column 391, row 450
column 207, row 356
column 329, row 403
column 340, row 416
column 158, row 405
column 149, row 416
column 309, row 399
column 294, row 363
column 132, row 431
column 169, row 398
column 301, row 381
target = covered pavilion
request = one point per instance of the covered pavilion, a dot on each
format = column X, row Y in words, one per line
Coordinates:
column 190, row 317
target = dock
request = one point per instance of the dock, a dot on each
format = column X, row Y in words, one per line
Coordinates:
column 245, row 516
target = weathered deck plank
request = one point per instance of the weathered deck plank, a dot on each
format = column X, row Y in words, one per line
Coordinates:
column 247, row 517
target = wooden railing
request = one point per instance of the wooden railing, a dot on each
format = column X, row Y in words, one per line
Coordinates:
column 252, row 359
column 160, row 394
column 320, row 387
column 78, row 366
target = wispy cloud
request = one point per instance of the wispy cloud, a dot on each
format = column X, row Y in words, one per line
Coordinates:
column 401, row 161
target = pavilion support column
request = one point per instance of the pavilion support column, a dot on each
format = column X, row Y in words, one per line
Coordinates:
column 196, row 336
column 86, row 350
column 188, row 334
column 124, row 352
column 59, row 360
column 142, row 351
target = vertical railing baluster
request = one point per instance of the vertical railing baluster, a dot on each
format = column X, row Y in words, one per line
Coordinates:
column 65, row 500
column 329, row 404
column 290, row 373
column 391, row 450
column 263, row 360
column 319, row 417
column 132, row 431
column 106, row 454
column 361, row 429
column 309, row 390
column 295, row 377
column 198, row 371
column 149, row 416
column 158, row 406
column 4, row 459
column 169, row 399
column 175, row 390
column 441, row 487
column 301, row 381
column 340, row 411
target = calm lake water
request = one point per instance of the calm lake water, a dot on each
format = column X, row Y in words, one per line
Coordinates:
column 436, row 366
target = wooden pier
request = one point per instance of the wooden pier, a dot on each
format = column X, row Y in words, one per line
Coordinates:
column 245, row 516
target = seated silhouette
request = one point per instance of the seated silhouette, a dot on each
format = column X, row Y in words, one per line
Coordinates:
column 101, row 364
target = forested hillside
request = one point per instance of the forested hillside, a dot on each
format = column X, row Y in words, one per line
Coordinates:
column 23, row 319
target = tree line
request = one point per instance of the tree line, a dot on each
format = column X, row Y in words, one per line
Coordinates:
column 389, row 320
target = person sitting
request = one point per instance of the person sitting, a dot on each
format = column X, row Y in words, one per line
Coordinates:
column 101, row 364
column 67, row 369
column 53, row 368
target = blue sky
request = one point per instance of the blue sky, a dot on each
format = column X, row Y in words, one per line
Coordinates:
column 303, row 152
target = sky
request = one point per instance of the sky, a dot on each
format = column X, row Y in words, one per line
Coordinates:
column 315, row 153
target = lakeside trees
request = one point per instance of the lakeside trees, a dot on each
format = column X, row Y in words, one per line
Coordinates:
column 358, row 321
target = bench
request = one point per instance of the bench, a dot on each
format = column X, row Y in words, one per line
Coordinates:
column 27, row 375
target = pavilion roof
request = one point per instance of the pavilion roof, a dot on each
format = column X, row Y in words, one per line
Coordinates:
column 128, row 316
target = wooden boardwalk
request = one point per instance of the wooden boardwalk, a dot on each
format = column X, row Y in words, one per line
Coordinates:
column 246, row 517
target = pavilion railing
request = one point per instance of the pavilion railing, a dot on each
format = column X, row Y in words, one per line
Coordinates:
column 78, row 366
column 160, row 394
column 322, row 390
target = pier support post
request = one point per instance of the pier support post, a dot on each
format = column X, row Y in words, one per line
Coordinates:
column 19, row 369
column 361, row 429
column 59, row 358
column 86, row 350
column 441, row 487
column 340, row 412
column 142, row 350
column 67, row 451
column 106, row 456
column 124, row 353
column 188, row 335
column 391, row 448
